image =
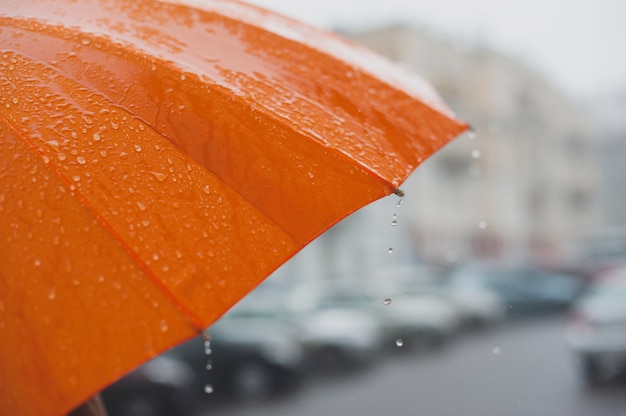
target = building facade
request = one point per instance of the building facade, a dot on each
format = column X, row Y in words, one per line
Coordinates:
column 525, row 185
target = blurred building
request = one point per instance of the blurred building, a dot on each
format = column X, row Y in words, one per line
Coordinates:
column 525, row 186
column 609, row 116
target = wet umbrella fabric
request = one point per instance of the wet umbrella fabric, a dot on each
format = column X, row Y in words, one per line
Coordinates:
column 158, row 161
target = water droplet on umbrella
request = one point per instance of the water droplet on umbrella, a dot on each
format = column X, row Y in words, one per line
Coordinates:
column 96, row 137
column 387, row 301
column 52, row 294
column 399, row 342
column 475, row 153
column 207, row 189
column 37, row 262
column 208, row 389
column 160, row 176
column 138, row 148
column 62, row 156
column 76, row 178
column 182, row 77
column 85, row 41
column 141, row 206
column 81, row 160
column 114, row 125
column 311, row 175
column 164, row 326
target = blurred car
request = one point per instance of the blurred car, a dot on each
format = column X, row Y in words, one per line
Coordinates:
column 333, row 338
column 337, row 339
column 158, row 388
column 413, row 320
column 248, row 359
column 596, row 328
column 524, row 289
column 476, row 306
column 251, row 359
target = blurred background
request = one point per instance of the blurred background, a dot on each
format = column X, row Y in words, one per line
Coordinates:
column 495, row 286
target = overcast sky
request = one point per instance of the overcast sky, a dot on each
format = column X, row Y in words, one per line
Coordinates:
column 579, row 44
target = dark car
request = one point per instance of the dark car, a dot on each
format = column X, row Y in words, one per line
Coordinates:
column 247, row 359
column 160, row 387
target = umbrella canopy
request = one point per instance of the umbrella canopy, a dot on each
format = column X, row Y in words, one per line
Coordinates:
column 158, row 161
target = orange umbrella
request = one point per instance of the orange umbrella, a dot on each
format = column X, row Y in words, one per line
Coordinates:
column 158, row 161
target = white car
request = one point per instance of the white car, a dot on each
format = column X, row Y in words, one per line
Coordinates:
column 596, row 328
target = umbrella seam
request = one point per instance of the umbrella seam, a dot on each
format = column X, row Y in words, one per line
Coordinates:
column 194, row 320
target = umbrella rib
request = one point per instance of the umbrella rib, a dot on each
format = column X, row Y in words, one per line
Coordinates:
column 193, row 319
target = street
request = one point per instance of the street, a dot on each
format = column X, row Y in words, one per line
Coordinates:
column 522, row 368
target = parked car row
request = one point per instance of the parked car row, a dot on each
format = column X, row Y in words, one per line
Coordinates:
column 281, row 333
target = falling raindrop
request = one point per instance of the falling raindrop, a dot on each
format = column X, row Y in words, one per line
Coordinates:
column 209, row 365
column 387, row 301
column 207, row 347
column 208, row 389
column 476, row 153
column 399, row 342
column 471, row 135
column 390, row 250
column 394, row 223
column 400, row 203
